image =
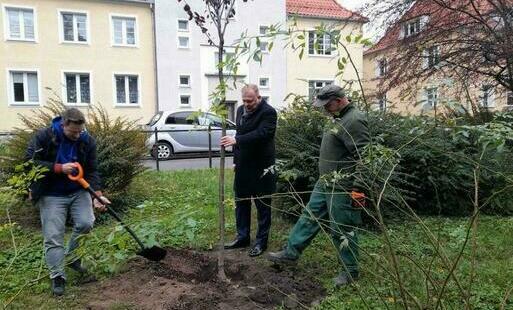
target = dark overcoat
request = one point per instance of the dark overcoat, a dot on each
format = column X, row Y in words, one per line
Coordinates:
column 255, row 152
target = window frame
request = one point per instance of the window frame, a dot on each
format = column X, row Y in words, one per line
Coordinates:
column 263, row 39
column 324, row 81
column 181, row 105
column 180, row 80
column 178, row 25
column 509, row 99
column 127, row 89
column 65, row 88
column 432, row 56
column 268, row 82
column 60, row 12
column 7, row 34
column 407, row 28
column 489, row 90
column 316, row 53
column 10, row 92
column 426, row 95
column 113, row 43
column 381, row 73
column 188, row 47
column 382, row 102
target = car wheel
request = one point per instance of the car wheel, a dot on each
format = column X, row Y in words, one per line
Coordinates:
column 162, row 151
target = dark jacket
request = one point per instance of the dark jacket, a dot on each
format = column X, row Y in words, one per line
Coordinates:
column 44, row 148
column 255, row 151
column 342, row 145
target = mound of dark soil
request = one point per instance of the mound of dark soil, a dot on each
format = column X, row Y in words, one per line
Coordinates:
column 188, row 280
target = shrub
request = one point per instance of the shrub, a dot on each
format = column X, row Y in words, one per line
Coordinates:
column 433, row 161
column 120, row 144
column 298, row 138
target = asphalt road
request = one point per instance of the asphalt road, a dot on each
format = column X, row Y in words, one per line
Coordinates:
column 187, row 163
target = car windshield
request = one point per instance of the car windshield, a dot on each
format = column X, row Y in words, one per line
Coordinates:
column 155, row 119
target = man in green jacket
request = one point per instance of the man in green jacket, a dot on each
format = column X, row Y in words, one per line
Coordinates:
column 336, row 201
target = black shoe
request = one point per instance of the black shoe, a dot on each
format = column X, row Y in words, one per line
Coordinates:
column 77, row 266
column 257, row 250
column 282, row 257
column 237, row 244
column 344, row 279
column 58, row 284
column 85, row 275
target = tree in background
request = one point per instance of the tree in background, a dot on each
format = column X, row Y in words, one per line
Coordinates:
column 465, row 43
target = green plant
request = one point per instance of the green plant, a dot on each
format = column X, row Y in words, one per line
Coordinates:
column 434, row 160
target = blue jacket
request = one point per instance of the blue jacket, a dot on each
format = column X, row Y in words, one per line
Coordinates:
column 50, row 148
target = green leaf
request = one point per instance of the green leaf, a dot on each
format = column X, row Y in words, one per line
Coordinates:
column 348, row 38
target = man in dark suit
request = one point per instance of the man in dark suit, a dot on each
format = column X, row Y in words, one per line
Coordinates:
column 254, row 153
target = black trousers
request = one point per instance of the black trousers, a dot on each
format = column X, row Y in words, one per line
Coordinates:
column 243, row 218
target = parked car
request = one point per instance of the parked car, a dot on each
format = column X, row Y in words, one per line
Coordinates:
column 185, row 132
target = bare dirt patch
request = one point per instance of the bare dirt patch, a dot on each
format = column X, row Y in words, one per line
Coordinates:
column 188, row 280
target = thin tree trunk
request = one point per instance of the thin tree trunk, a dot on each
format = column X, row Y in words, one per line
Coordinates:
column 220, row 263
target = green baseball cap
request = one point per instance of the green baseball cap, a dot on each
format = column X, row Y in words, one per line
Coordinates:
column 328, row 92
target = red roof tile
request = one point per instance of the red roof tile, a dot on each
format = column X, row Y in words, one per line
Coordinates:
column 323, row 9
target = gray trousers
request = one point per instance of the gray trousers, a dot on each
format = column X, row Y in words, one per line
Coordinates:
column 53, row 211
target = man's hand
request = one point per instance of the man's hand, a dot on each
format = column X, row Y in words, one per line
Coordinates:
column 358, row 199
column 99, row 205
column 68, row 168
column 228, row 141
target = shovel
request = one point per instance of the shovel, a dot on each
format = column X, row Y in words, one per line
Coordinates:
column 154, row 253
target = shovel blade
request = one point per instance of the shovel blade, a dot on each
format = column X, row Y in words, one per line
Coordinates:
column 154, row 253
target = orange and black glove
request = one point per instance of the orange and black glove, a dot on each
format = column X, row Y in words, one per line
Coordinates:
column 358, row 199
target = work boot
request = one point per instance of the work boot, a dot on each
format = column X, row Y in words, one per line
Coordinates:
column 344, row 279
column 282, row 257
column 58, row 284
column 77, row 266
column 85, row 275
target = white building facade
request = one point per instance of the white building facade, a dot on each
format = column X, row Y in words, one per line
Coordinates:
column 186, row 63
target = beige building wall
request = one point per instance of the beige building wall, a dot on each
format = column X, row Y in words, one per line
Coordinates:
column 405, row 100
column 50, row 57
column 320, row 67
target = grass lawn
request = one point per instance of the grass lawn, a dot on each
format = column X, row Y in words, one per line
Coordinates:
column 179, row 209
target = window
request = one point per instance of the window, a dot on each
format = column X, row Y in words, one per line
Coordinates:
column 124, row 31
column 127, row 89
column 319, row 44
column 264, row 44
column 431, row 98
column 487, row 96
column 381, row 67
column 24, row 87
column 185, row 100
column 185, row 80
column 263, row 82
column 20, row 24
column 183, row 42
column 412, row 28
column 183, row 25
column 74, row 27
column 78, row 88
column 226, row 57
column 181, row 118
column 382, row 102
column 509, row 101
column 431, row 57
column 314, row 86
